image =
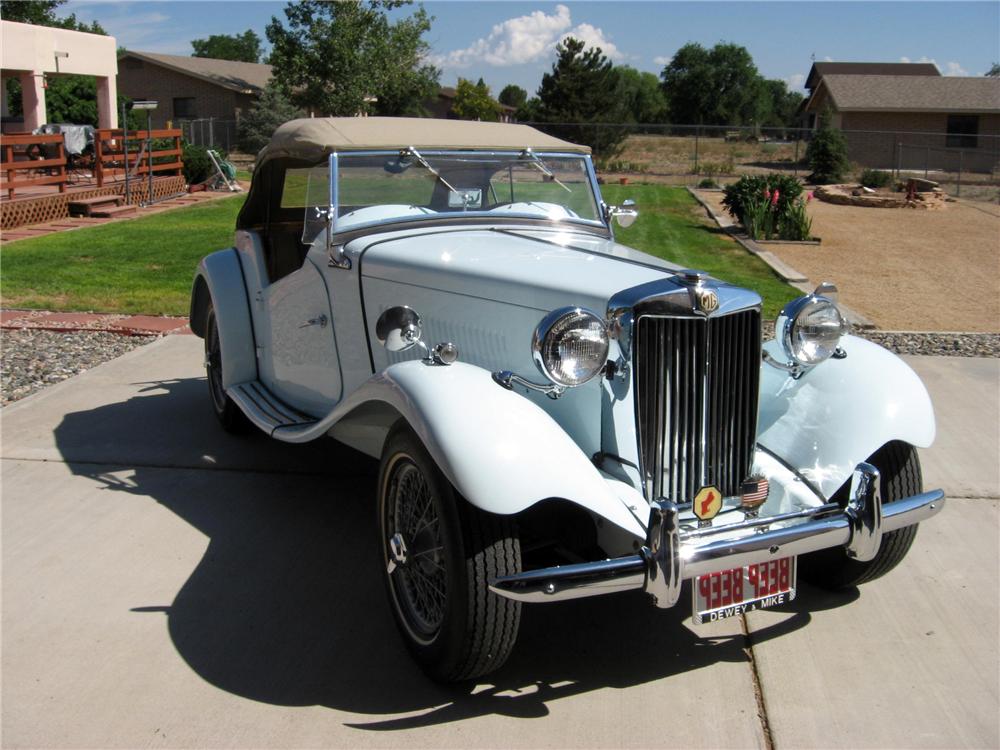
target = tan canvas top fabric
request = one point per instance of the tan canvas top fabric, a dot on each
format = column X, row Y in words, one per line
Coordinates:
column 313, row 138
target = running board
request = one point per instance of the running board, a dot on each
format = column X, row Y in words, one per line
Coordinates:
column 267, row 411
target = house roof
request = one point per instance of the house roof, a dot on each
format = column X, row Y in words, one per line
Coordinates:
column 247, row 78
column 820, row 69
column 313, row 138
column 872, row 93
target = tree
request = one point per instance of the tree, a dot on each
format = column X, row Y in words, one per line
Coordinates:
column 720, row 86
column 826, row 154
column 346, row 58
column 579, row 96
column 473, row 102
column 642, row 95
column 994, row 70
column 258, row 124
column 43, row 13
column 243, row 47
column 781, row 106
column 513, row 96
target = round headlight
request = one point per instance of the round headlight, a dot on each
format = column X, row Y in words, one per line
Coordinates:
column 570, row 346
column 810, row 329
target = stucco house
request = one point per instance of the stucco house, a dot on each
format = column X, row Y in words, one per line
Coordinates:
column 191, row 88
column 934, row 117
column 34, row 54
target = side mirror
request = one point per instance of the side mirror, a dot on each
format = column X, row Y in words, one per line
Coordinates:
column 398, row 328
column 626, row 214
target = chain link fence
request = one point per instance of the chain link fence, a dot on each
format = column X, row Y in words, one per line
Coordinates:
column 701, row 154
column 210, row 133
column 693, row 154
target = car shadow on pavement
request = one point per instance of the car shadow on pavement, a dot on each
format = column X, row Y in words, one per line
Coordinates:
column 287, row 604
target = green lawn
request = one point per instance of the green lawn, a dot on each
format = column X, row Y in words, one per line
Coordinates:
column 673, row 226
column 141, row 266
column 146, row 265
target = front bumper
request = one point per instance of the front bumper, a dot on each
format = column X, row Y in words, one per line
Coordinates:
column 673, row 555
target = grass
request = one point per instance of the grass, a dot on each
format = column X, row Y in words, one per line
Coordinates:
column 672, row 226
column 140, row 266
column 146, row 265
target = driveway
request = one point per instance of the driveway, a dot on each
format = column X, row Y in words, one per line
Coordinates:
column 167, row 585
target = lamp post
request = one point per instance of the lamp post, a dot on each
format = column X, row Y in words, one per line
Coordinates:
column 149, row 105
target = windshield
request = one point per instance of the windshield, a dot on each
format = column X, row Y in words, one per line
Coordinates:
column 373, row 188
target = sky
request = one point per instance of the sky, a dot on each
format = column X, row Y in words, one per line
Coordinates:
column 514, row 42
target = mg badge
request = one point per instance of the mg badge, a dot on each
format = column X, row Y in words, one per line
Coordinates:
column 707, row 503
column 708, row 300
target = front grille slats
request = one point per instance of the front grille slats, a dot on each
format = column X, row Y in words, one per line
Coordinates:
column 696, row 388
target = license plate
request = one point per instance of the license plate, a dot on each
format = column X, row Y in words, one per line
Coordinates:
column 734, row 591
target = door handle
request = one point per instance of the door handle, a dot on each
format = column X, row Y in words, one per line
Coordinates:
column 320, row 321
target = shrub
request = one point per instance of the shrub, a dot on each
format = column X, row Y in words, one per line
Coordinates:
column 874, row 178
column 751, row 187
column 826, row 154
column 769, row 207
column 197, row 166
column 795, row 224
column 708, row 183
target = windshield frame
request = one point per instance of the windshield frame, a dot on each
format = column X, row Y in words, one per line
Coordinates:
column 601, row 225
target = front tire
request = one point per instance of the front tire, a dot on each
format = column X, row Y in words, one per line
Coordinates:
column 899, row 469
column 439, row 553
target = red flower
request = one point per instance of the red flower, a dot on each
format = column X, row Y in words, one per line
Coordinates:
column 774, row 197
column 809, row 196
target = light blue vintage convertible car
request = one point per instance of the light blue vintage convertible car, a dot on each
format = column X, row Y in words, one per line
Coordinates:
column 556, row 415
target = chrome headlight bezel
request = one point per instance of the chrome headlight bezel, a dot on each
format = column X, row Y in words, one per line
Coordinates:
column 791, row 331
column 558, row 324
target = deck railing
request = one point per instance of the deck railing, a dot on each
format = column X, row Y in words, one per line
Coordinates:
column 27, row 161
column 114, row 155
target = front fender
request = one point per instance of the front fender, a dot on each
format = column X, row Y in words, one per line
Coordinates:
column 840, row 412
column 501, row 451
column 219, row 280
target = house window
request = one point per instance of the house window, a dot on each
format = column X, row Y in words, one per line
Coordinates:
column 962, row 131
column 184, row 108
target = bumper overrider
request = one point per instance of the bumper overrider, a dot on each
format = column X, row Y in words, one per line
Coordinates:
column 673, row 554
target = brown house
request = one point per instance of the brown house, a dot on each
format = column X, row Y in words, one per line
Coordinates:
column 911, row 119
column 191, row 88
column 440, row 106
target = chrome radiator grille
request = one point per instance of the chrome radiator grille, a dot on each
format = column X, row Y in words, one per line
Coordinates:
column 697, row 383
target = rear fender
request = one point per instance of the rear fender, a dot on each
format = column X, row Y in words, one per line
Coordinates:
column 840, row 412
column 219, row 280
column 501, row 451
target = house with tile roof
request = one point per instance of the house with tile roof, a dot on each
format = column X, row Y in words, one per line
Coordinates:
column 879, row 111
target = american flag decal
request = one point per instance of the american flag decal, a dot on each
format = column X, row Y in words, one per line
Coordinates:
column 755, row 491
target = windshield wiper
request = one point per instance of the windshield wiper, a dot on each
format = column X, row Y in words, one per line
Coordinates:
column 426, row 165
column 529, row 154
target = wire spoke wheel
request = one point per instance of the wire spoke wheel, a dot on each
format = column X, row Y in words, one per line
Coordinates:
column 439, row 554
column 420, row 581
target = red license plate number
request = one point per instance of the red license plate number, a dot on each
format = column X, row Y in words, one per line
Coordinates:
column 734, row 591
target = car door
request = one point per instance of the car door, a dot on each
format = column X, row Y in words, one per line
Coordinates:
column 298, row 350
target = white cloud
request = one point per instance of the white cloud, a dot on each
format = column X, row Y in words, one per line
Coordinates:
column 795, row 81
column 950, row 68
column 527, row 39
column 661, row 60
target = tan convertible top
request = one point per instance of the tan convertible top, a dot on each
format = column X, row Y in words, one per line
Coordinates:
column 312, row 138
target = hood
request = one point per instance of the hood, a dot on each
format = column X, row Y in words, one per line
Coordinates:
column 529, row 267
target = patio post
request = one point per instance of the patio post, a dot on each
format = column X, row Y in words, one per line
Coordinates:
column 33, row 98
column 107, row 96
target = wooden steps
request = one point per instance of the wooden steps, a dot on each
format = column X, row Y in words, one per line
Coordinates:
column 115, row 211
column 98, row 207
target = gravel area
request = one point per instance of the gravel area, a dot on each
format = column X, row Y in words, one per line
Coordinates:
column 32, row 359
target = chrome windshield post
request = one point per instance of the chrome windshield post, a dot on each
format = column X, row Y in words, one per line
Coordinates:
column 335, row 251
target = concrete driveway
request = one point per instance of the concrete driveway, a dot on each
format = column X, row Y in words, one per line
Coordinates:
column 167, row 585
